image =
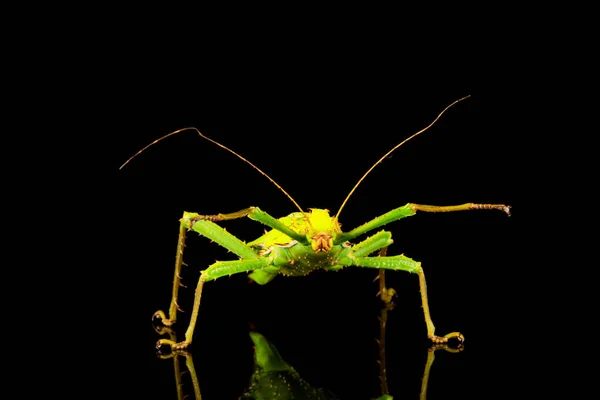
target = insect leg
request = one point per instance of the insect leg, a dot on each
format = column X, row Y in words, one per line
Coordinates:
column 216, row 270
column 386, row 294
column 255, row 214
column 176, row 283
column 403, row 263
column 213, row 232
column 461, row 207
column 409, row 210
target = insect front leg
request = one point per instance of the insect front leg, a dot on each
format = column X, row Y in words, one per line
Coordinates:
column 255, row 214
column 409, row 210
column 386, row 294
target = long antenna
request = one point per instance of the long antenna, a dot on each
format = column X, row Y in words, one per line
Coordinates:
column 223, row 147
column 395, row 147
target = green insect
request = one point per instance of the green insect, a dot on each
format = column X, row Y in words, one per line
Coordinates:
column 300, row 243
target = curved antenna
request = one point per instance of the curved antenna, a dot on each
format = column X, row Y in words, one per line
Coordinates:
column 395, row 147
column 223, row 147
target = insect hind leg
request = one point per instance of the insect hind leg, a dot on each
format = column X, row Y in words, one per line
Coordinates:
column 385, row 294
column 212, row 231
column 174, row 307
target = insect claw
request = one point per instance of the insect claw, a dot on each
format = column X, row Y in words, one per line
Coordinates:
column 178, row 308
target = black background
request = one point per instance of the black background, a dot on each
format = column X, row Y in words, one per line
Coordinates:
column 316, row 133
column 314, row 111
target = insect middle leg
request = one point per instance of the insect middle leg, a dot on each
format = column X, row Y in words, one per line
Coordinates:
column 396, row 263
column 216, row 270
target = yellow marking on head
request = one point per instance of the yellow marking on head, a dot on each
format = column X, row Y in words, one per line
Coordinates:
column 320, row 220
column 324, row 230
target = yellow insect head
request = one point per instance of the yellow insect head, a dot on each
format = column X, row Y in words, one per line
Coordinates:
column 322, row 230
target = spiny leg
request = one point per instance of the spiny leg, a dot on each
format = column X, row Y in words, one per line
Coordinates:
column 461, row 207
column 255, row 214
column 176, row 283
column 409, row 210
column 216, row 270
column 213, row 232
column 403, row 263
column 386, row 294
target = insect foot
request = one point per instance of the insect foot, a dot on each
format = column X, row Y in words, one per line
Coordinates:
column 444, row 339
column 387, row 297
column 160, row 317
column 175, row 347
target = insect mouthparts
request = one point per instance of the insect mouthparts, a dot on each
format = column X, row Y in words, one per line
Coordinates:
column 321, row 242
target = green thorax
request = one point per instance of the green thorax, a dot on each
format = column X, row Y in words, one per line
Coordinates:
column 295, row 259
column 309, row 224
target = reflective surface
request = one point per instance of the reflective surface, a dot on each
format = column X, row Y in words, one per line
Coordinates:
column 274, row 378
column 330, row 347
